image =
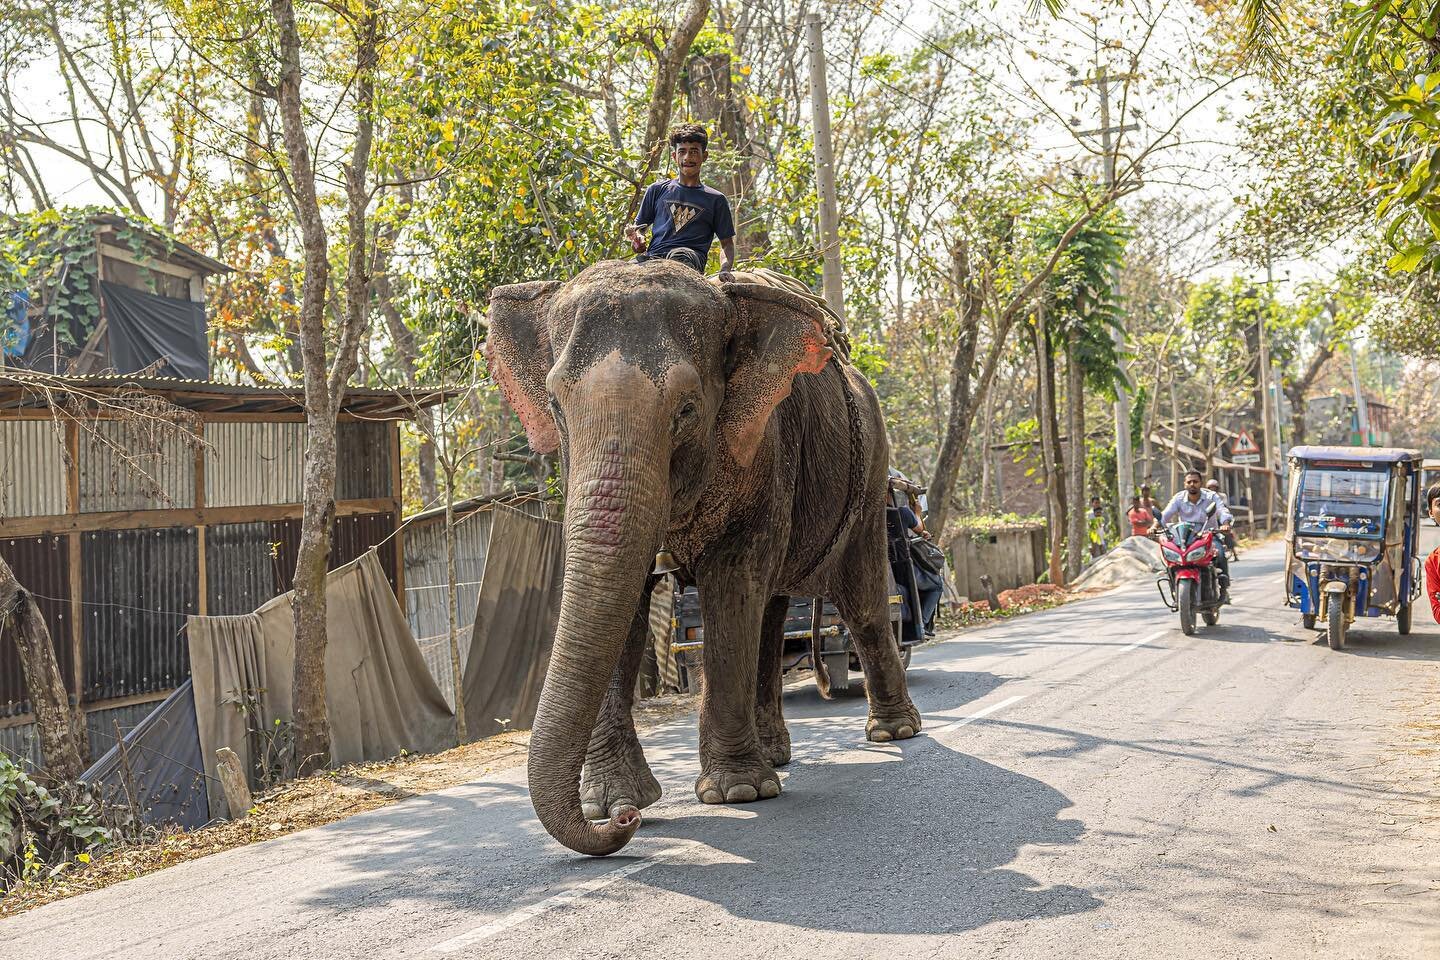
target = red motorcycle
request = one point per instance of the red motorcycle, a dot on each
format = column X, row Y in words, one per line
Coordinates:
column 1190, row 572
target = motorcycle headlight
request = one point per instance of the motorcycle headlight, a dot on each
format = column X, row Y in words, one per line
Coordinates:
column 1171, row 555
column 1336, row 550
column 1197, row 553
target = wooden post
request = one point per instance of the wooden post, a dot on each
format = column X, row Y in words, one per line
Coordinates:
column 61, row 730
column 233, row 782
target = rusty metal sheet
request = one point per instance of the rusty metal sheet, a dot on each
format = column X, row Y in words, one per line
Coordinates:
column 32, row 468
column 22, row 745
column 354, row 535
column 349, row 538
column 139, row 586
column 252, row 463
column 241, row 569
column 362, row 461
column 42, row 565
column 126, row 467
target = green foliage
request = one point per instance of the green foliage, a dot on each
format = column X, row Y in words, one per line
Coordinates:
column 42, row 832
column 1083, row 292
column 50, row 254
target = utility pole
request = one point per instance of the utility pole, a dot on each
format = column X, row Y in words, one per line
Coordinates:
column 833, row 282
column 1124, row 462
column 1362, row 413
column 1267, row 403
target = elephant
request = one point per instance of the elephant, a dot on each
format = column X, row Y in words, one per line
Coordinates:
column 709, row 419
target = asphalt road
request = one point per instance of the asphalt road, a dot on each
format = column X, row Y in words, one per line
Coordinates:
column 1090, row 783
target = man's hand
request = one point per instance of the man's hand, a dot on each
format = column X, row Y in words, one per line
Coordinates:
column 727, row 272
column 636, row 238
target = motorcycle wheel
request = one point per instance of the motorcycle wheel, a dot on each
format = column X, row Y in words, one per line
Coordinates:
column 1405, row 617
column 1335, row 633
column 1185, row 597
column 1307, row 620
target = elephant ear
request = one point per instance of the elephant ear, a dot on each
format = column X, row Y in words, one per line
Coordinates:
column 518, row 351
column 776, row 336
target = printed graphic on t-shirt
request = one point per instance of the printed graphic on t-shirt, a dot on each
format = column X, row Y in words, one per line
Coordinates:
column 681, row 214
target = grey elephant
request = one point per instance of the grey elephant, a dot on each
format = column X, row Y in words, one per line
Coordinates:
column 709, row 419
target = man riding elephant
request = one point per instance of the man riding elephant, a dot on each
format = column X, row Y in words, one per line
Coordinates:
column 711, row 418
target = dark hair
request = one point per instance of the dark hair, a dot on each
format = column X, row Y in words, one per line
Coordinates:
column 689, row 133
column 1144, row 487
column 1194, row 473
column 1431, row 495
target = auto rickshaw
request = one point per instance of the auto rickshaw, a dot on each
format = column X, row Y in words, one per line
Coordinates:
column 1351, row 536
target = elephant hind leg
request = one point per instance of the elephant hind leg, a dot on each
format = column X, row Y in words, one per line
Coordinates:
column 862, row 597
column 769, row 716
column 616, row 776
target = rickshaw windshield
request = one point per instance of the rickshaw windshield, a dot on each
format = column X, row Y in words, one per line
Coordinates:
column 1342, row 503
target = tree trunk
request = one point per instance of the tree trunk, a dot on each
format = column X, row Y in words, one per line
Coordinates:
column 1296, row 392
column 1078, row 528
column 63, row 739
column 1052, row 466
column 662, row 96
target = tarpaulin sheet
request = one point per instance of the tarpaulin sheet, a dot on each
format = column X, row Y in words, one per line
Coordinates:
column 379, row 694
column 515, row 622
column 157, row 766
column 145, row 328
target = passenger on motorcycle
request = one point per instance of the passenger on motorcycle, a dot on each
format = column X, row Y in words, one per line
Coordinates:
column 1188, row 506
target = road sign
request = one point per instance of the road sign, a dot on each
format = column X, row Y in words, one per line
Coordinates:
column 1242, row 445
column 1245, row 458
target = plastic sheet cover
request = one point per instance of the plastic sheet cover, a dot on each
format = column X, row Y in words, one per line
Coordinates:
column 145, row 329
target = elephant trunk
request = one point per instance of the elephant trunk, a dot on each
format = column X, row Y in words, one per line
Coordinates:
column 617, row 502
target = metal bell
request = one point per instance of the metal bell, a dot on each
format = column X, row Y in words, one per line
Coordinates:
column 665, row 562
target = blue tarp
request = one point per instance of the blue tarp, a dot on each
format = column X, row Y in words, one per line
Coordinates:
column 15, row 335
column 158, row 765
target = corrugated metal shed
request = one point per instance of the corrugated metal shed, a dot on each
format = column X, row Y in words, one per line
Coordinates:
column 254, row 463
column 140, row 585
column 349, row 538
column 21, row 745
column 161, row 476
column 363, row 461
column 32, row 468
column 352, row 536
column 42, row 565
column 240, row 568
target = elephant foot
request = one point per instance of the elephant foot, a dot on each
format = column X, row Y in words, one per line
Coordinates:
column 899, row 724
column 610, row 785
column 774, row 742
column 737, row 781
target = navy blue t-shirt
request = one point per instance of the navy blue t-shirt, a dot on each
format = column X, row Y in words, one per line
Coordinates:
column 682, row 216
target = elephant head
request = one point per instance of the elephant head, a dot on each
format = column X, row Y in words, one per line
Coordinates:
column 651, row 381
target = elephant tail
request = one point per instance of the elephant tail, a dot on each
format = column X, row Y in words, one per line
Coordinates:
column 817, row 659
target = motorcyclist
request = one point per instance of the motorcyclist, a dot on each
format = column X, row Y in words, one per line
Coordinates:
column 1189, row 506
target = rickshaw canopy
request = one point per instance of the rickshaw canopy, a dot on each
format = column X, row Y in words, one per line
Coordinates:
column 1356, row 455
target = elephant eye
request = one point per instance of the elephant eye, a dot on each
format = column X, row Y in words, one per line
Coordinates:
column 684, row 415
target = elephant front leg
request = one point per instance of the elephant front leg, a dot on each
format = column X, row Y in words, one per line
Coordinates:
column 769, row 717
column 733, row 768
column 616, row 775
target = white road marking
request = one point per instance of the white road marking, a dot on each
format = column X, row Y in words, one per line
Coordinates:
column 1140, row 643
column 471, row 937
column 979, row 714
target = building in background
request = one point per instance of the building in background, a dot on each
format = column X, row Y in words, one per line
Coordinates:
column 122, row 520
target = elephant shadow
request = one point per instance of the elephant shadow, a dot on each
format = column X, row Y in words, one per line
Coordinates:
column 932, row 858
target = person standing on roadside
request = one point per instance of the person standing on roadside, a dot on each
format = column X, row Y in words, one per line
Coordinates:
column 1140, row 518
column 1432, row 562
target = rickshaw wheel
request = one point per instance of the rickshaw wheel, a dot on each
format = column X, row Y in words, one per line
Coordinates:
column 1405, row 617
column 1307, row 620
column 1336, row 632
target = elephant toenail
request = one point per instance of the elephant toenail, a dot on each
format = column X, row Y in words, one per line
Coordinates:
column 880, row 736
column 711, row 796
column 741, row 793
column 905, row 732
column 769, row 790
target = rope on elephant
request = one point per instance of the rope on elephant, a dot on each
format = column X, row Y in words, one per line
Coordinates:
column 834, row 327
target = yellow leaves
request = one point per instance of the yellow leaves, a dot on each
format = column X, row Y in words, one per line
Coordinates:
column 82, row 857
column 447, row 130
column 521, row 190
column 521, row 214
column 485, row 181
column 525, row 16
